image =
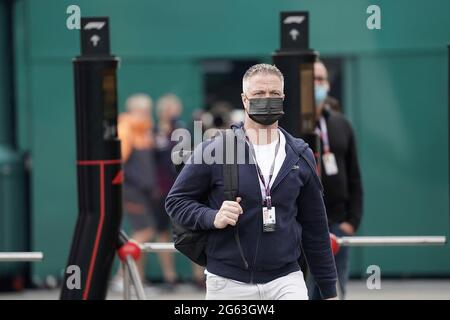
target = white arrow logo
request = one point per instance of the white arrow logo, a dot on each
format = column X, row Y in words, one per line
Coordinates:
column 95, row 39
column 294, row 19
column 294, row 34
column 94, row 25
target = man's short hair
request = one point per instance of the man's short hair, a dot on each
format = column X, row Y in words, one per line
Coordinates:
column 165, row 100
column 321, row 62
column 258, row 69
column 139, row 101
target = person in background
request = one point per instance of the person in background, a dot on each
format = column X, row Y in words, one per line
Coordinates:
column 137, row 146
column 168, row 110
column 332, row 103
column 340, row 174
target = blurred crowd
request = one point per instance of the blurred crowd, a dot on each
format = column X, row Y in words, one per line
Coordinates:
column 149, row 172
column 145, row 130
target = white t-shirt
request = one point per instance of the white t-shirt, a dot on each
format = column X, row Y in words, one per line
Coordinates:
column 264, row 156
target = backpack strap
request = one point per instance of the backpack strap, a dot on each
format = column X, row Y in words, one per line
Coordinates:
column 231, row 180
column 230, row 170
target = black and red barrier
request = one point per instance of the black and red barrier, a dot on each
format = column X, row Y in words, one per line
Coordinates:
column 335, row 246
column 129, row 252
column 127, row 248
column 99, row 167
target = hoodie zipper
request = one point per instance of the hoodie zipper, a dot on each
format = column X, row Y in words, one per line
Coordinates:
column 256, row 252
column 258, row 232
column 238, row 241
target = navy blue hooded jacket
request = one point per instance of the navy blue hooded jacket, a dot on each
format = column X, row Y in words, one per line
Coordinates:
column 197, row 195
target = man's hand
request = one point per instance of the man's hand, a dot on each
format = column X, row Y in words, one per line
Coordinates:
column 347, row 228
column 228, row 214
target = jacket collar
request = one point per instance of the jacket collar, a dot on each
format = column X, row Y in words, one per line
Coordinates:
column 298, row 145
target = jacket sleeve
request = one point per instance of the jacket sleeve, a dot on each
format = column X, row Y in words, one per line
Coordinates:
column 184, row 201
column 315, row 234
column 355, row 201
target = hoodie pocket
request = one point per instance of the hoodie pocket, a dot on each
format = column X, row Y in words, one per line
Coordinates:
column 224, row 248
column 278, row 248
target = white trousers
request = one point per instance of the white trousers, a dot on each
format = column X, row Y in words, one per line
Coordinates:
column 289, row 287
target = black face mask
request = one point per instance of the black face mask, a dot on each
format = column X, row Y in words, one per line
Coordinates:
column 265, row 111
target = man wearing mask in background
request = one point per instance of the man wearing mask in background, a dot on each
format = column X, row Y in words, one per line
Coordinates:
column 340, row 175
column 279, row 206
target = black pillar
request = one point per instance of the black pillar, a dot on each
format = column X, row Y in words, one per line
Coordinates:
column 98, row 163
column 296, row 61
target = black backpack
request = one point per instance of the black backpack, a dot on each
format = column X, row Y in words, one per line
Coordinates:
column 193, row 243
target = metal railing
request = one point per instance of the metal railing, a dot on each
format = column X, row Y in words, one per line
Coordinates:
column 21, row 256
column 392, row 241
column 131, row 273
column 131, row 277
column 158, row 247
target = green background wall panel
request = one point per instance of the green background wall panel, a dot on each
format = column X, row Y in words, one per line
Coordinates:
column 395, row 95
column 153, row 28
column 53, row 154
column 404, row 156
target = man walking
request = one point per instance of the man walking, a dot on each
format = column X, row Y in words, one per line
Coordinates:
column 278, row 209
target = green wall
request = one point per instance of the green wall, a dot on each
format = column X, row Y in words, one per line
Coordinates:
column 13, row 224
column 5, row 107
column 395, row 96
